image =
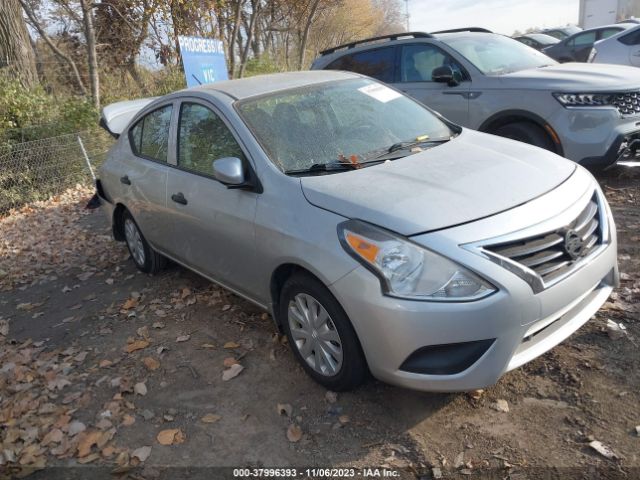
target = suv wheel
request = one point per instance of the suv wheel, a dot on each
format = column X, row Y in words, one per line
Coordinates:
column 526, row 132
column 320, row 334
column 146, row 258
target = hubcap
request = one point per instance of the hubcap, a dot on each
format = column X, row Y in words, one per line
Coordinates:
column 314, row 335
column 134, row 241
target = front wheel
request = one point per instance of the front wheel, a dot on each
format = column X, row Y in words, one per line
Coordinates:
column 320, row 334
column 526, row 132
column 144, row 256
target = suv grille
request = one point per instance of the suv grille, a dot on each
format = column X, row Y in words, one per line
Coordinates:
column 552, row 254
column 627, row 103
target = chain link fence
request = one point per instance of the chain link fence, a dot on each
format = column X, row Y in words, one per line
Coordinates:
column 38, row 169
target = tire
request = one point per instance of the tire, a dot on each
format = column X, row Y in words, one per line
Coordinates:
column 146, row 258
column 526, row 132
column 335, row 336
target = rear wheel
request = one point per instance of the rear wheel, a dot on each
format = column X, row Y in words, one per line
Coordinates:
column 320, row 334
column 144, row 256
column 526, row 132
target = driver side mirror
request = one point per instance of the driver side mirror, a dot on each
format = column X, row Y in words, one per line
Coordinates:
column 229, row 171
column 445, row 74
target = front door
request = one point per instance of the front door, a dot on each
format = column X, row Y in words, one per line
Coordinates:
column 417, row 63
column 213, row 226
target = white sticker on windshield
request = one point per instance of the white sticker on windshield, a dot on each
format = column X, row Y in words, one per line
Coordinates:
column 380, row 92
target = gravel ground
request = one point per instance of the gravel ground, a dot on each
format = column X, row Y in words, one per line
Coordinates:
column 104, row 371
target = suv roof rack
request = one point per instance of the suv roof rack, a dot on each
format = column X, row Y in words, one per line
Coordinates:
column 467, row 29
column 393, row 36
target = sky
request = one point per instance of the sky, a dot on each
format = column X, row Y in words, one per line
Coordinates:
column 501, row 16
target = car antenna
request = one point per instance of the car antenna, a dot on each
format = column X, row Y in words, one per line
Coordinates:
column 196, row 78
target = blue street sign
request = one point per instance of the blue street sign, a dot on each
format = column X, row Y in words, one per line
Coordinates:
column 203, row 60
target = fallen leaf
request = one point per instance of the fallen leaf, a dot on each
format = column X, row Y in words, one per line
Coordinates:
column 183, row 338
column 208, row 345
column 141, row 453
column 331, row 397
column 151, row 363
column 344, row 419
column 232, row 372
column 4, row 328
column 105, row 363
column 210, row 418
column 76, row 427
column 136, row 345
column 294, row 433
column 158, row 325
column 54, row 436
column 89, row 458
column 229, row 361
column 128, row 420
column 231, row 345
column 129, row 304
column 143, row 332
column 500, row 405
column 284, row 409
column 58, row 383
column 86, row 440
column 226, row 307
column 171, row 436
column 140, row 388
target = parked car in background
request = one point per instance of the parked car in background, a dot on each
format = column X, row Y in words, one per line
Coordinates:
column 495, row 84
column 576, row 48
column 538, row 41
column 562, row 32
column 380, row 236
column 622, row 48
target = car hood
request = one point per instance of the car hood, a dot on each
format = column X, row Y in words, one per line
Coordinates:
column 473, row 176
column 575, row 77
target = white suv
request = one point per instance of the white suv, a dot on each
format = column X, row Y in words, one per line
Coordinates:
column 622, row 48
column 492, row 83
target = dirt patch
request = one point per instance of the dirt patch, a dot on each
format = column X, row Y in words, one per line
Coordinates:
column 99, row 362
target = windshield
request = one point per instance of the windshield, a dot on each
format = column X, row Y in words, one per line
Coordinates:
column 497, row 55
column 326, row 123
column 543, row 39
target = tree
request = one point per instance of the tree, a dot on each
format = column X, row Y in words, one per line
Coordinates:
column 16, row 52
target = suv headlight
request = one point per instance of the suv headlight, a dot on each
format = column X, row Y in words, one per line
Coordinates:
column 584, row 99
column 407, row 270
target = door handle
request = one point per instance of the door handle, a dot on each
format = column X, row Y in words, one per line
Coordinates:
column 125, row 180
column 179, row 198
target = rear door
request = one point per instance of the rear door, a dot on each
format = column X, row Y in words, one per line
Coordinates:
column 212, row 225
column 416, row 66
column 143, row 176
column 378, row 63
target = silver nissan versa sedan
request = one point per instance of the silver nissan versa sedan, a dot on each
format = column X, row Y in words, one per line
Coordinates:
column 381, row 236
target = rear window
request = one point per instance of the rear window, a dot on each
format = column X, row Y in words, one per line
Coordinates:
column 149, row 137
column 632, row 38
column 378, row 63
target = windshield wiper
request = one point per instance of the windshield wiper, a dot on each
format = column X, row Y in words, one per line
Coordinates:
column 402, row 149
column 324, row 167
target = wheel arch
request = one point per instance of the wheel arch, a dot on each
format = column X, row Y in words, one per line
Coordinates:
column 279, row 276
column 505, row 117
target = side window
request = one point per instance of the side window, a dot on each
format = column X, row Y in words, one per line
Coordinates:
column 632, row 38
column 526, row 41
column 150, row 136
column 376, row 63
column 202, row 138
column 419, row 61
column 607, row 32
column 583, row 40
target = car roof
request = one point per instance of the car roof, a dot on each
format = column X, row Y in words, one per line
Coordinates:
column 602, row 27
column 264, row 84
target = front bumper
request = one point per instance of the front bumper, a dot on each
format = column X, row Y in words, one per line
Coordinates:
column 593, row 136
column 522, row 325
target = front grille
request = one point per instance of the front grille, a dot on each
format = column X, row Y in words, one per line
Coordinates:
column 552, row 254
column 627, row 103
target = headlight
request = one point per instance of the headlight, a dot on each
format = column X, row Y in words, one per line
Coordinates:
column 584, row 99
column 407, row 270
